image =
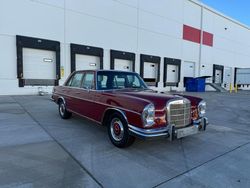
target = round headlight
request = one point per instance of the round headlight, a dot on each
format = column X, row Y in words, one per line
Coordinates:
column 148, row 115
column 202, row 108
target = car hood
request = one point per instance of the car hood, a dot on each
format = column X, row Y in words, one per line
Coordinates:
column 158, row 99
column 150, row 96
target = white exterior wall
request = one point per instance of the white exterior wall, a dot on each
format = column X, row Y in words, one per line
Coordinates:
column 139, row 26
column 231, row 43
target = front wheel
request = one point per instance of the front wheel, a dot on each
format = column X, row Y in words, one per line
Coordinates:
column 118, row 131
column 64, row 113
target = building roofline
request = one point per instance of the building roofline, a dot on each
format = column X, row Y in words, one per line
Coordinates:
column 220, row 14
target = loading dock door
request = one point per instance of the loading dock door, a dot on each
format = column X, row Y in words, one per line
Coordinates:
column 242, row 76
column 87, row 62
column 123, row 65
column 150, row 71
column 172, row 69
column 227, row 77
column 218, row 76
column 218, row 72
column 188, row 69
column 172, row 73
column 39, row 64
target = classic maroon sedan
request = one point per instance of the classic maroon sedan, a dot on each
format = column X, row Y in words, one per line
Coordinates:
column 123, row 102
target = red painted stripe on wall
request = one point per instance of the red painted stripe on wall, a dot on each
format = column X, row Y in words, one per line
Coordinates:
column 194, row 35
column 191, row 34
column 208, row 38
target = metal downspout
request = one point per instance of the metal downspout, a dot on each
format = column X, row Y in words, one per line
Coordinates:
column 201, row 41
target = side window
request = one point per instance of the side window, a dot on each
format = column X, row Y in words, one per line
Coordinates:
column 88, row 81
column 102, row 81
column 133, row 81
column 75, row 80
column 119, row 81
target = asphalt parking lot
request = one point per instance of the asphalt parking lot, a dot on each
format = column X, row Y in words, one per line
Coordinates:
column 39, row 149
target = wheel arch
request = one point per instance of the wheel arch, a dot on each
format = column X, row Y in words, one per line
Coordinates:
column 110, row 111
column 60, row 99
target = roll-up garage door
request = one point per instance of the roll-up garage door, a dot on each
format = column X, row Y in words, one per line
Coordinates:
column 218, row 76
column 87, row 62
column 218, row 73
column 188, row 69
column 123, row 65
column 39, row 64
column 85, row 57
column 242, row 76
column 172, row 69
column 172, row 73
column 150, row 72
column 38, row 61
column 227, row 77
column 123, row 61
column 150, row 69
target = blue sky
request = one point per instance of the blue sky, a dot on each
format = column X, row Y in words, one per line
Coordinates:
column 237, row 9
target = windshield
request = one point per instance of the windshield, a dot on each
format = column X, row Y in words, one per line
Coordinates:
column 119, row 80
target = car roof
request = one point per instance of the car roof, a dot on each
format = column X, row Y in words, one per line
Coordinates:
column 103, row 70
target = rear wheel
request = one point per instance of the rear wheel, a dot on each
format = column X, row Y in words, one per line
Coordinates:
column 63, row 111
column 118, row 131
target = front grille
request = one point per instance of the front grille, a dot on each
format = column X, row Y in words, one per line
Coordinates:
column 179, row 112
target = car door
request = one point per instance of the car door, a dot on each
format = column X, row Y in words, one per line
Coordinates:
column 73, row 91
column 86, row 106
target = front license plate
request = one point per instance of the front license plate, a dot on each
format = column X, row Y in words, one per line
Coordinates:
column 186, row 131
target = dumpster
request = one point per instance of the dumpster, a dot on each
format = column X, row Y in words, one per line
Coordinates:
column 195, row 84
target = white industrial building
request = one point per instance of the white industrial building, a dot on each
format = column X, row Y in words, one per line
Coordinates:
column 43, row 41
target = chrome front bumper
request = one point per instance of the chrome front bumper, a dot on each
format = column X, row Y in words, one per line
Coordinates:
column 169, row 131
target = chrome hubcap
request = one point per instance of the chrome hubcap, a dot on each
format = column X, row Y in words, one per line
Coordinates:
column 62, row 109
column 117, row 129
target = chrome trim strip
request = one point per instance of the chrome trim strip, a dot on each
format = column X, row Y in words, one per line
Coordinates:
column 168, row 131
column 117, row 107
column 148, row 133
column 80, row 88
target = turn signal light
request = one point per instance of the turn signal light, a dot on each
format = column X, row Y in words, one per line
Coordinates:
column 195, row 113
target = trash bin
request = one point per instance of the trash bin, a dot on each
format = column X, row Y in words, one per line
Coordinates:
column 195, row 84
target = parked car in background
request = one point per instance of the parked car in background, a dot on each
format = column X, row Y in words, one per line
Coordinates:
column 123, row 102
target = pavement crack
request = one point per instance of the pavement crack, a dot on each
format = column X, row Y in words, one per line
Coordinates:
column 185, row 160
column 202, row 164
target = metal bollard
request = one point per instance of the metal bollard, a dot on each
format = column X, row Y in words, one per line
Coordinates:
column 236, row 88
